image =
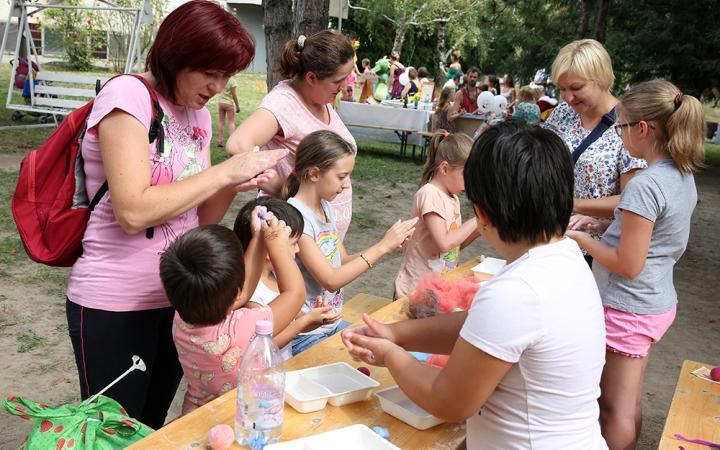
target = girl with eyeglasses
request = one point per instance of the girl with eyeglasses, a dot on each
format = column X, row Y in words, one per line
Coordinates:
column 633, row 264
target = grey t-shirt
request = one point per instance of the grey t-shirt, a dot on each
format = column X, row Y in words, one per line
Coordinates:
column 327, row 238
column 663, row 195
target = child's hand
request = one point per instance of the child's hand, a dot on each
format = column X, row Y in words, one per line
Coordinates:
column 370, row 342
column 323, row 313
column 584, row 223
column 397, row 235
column 258, row 216
column 275, row 231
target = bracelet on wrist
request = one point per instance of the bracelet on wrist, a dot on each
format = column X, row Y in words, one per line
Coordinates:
column 366, row 261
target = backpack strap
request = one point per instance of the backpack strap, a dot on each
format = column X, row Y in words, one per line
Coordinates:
column 606, row 122
column 156, row 132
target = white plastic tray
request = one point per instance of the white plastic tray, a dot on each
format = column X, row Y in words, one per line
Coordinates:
column 339, row 384
column 354, row 437
column 488, row 268
column 396, row 403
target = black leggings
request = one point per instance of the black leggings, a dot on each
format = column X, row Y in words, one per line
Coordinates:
column 104, row 343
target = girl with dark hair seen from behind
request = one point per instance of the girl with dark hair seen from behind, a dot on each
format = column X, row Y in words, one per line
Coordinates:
column 116, row 305
column 527, row 328
column 633, row 264
column 315, row 69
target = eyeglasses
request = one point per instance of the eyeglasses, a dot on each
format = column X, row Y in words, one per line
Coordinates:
column 618, row 127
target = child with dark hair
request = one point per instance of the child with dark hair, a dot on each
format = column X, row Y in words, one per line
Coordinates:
column 516, row 355
column 203, row 273
column 268, row 288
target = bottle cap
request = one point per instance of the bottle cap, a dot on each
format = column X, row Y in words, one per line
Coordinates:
column 263, row 327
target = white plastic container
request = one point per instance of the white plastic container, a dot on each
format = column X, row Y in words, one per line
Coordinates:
column 304, row 395
column 488, row 268
column 339, row 384
column 354, row 437
column 394, row 402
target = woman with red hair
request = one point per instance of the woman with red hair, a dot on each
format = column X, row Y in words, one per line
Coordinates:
column 156, row 191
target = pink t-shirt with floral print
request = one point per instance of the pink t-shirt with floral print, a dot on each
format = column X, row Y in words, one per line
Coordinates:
column 119, row 271
column 210, row 355
column 296, row 123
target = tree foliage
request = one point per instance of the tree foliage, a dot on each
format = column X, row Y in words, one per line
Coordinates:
column 80, row 33
column 84, row 31
column 669, row 39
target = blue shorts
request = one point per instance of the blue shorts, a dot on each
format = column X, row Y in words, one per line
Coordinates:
column 303, row 342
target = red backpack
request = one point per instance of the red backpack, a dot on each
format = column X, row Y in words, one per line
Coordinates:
column 50, row 205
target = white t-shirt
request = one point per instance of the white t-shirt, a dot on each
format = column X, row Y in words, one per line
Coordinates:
column 263, row 295
column 543, row 314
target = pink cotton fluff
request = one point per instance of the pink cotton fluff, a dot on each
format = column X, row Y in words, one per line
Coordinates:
column 438, row 361
column 435, row 296
column 221, row 437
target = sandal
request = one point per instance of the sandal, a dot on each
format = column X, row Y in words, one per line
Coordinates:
column 220, row 144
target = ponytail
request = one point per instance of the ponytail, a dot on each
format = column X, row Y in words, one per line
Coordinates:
column 444, row 146
column 679, row 118
column 291, row 186
column 686, row 130
column 323, row 54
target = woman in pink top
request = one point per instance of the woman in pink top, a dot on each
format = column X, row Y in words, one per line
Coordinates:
column 315, row 70
column 116, row 305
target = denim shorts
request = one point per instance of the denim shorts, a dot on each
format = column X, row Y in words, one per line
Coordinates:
column 303, row 342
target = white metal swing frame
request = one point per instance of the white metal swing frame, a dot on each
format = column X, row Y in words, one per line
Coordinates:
column 21, row 9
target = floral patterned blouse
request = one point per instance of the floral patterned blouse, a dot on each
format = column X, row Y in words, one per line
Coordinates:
column 597, row 172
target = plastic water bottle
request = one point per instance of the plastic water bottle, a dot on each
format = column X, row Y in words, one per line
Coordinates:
column 261, row 391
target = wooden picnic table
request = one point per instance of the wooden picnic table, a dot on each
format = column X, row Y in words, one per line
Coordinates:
column 694, row 412
column 191, row 431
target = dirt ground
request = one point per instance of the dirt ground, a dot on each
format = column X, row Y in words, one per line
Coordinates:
column 32, row 308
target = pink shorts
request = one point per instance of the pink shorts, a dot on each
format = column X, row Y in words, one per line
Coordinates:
column 632, row 334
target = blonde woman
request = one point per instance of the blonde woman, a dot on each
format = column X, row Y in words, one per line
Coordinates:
column 583, row 71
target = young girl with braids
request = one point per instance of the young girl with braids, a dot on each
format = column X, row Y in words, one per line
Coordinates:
column 439, row 234
column 633, row 264
column 323, row 164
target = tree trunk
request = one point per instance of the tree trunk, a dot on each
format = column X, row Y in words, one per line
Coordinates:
column 399, row 37
column 277, row 21
column 602, row 11
column 441, row 42
column 310, row 16
column 440, row 78
column 584, row 18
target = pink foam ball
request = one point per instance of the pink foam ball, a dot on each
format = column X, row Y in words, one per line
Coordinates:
column 715, row 374
column 364, row 370
column 221, row 437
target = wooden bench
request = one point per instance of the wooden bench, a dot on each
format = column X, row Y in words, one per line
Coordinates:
column 694, row 411
column 401, row 133
column 62, row 93
column 362, row 303
column 427, row 135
